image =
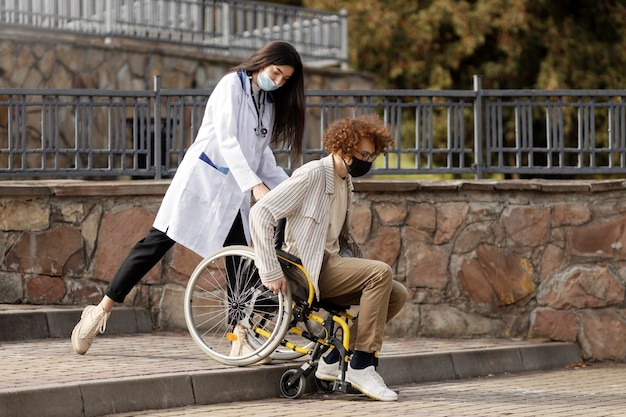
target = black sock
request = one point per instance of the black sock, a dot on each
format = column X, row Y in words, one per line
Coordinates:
column 361, row 360
column 332, row 357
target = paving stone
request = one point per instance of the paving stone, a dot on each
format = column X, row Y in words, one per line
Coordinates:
column 166, row 370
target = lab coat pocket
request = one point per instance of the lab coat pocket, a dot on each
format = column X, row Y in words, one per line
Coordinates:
column 205, row 158
column 208, row 183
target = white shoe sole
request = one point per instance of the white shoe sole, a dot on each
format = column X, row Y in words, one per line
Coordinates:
column 325, row 376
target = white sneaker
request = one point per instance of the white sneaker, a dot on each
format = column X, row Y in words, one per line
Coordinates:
column 241, row 347
column 92, row 320
column 327, row 371
column 370, row 383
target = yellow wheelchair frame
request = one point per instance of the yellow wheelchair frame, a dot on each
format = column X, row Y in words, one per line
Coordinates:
column 293, row 381
column 226, row 306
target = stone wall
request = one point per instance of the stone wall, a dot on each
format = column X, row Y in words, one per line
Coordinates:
column 40, row 59
column 541, row 259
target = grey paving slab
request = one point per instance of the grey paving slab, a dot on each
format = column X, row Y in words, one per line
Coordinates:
column 398, row 369
column 44, row 400
column 548, row 355
column 153, row 391
column 474, row 362
column 23, row 326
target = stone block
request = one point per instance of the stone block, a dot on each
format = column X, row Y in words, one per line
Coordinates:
column 549, row 356
column 124, row 320
column 570, row 214
column 450, row 217
column 42, row 289
column 497, row 276
column 406, row 323
column 54, row 252
column 553, row 324
column 582, row 287
column 527, row 226
column 426, row 264
column 182, row 264
column 24, row 215
column 473, row 363
column 602, row 334
column 144, row 321
column 119, row 232
column 171, row 306
column 398, row 370
column 602, row 239
column 10, row 287
column 27, row 325
column 134, row 394
column 422, row 216
column 384, row 245
column 62, row 401
column 361, row 221
column 391, row 214
column 226, row 386
column 62, row 322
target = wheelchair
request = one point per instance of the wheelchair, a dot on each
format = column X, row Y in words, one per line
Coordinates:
column 226, row 302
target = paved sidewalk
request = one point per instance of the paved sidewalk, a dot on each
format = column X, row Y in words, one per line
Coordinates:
column 50, row 362
column 134, row 371
column 593, row 391
column 164, row 370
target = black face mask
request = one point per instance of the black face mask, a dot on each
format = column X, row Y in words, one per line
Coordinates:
column 358, row 167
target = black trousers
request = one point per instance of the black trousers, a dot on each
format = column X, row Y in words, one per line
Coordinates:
column 148, row 252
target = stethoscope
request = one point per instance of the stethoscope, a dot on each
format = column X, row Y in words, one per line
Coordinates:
column 260, row 130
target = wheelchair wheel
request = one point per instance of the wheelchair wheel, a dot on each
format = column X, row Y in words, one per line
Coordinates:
column 290, row 387
column 230, row 315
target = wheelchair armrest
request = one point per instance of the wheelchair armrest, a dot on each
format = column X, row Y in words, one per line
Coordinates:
column 286, row 258
column 294, row 272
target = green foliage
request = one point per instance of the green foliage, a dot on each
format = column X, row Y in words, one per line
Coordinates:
column 297, row 3
column 441, row 44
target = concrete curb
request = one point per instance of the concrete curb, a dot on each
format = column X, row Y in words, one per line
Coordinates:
column 43, row 323
column 160, row 391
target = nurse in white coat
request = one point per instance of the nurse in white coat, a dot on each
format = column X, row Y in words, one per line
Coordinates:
column 258, row 104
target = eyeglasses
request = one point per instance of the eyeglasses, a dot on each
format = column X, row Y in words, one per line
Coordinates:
column 367, row 156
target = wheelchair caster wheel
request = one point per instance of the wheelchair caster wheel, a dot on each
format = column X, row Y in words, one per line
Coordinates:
column 324, row 386
column 291, row 388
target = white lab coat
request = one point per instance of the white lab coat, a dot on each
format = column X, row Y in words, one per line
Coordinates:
column 202, row 200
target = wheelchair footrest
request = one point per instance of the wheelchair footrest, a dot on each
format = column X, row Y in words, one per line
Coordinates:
column 342, row 386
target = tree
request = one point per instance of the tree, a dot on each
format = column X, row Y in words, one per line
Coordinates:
column 441, row 44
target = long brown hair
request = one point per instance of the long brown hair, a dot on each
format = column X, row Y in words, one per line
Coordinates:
column 288, row 99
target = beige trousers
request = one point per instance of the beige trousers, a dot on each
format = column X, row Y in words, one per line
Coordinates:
column 370, row 285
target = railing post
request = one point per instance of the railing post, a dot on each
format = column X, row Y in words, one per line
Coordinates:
column 343, row 13
column 225, row 24
column 157, row 128
column 478, row 120
column 108, row 19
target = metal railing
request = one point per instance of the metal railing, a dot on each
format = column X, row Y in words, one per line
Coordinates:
column 231, row 26
column 479, row 133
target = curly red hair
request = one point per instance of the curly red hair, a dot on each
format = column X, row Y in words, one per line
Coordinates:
column 345, row 135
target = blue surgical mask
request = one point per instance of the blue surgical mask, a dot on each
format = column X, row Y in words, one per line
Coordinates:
column 265, row 82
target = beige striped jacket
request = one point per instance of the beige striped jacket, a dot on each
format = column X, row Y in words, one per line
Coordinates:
column 304, row 200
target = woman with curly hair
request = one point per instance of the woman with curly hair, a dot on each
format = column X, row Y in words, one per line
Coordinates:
column 316, row 201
